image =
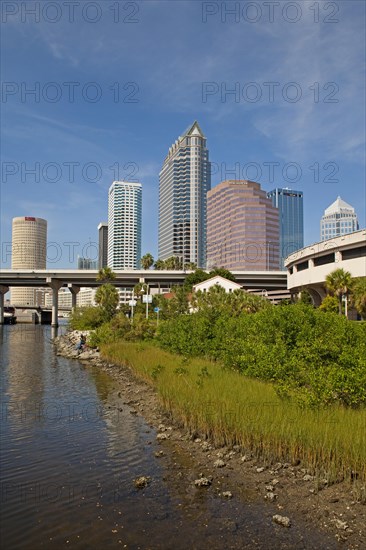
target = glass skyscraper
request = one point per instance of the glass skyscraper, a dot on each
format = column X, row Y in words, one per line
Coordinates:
column 339, row 218
column 291, row 217
column 124, row 225
column 103, row 245
column 185, row 179
column 87, row 263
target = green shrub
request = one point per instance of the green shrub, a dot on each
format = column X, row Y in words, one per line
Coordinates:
column 329, row 304
column 141, row 328
column 86, row 318
column 120, row 327
column 315, row 357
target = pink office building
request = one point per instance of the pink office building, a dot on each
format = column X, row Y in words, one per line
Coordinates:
column 242, row 227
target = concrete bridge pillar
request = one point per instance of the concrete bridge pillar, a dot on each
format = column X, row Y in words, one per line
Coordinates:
column 74, row 289
column 55, row 284
column 3, row 290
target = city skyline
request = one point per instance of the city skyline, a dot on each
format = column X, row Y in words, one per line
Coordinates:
column 101, row 111
column 125, row 207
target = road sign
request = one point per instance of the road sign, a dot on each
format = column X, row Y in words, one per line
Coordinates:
column 156, row 309
column 132, row 303
column 147, row 298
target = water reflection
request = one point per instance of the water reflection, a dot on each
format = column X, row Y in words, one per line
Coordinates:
column 70, row 449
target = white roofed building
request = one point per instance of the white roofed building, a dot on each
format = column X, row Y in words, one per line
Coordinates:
column 338, row 219
column 229, row 286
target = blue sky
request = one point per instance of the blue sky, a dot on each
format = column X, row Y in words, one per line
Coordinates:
column 114, row 89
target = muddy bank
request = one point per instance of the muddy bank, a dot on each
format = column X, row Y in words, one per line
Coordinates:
column 298, row 510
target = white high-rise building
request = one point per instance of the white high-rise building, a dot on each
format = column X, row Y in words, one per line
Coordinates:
column 338, row 219
column 184, row 181
column 29, row 243
column 124, row 225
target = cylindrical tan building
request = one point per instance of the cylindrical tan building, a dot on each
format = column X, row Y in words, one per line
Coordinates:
column 29, row 243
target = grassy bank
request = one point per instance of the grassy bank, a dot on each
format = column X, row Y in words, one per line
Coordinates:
column 233, row 409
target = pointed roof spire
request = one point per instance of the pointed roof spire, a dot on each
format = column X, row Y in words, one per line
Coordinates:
column 337, row 206
column 193, row 130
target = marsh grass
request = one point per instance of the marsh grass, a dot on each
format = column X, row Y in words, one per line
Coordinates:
column 232, row 409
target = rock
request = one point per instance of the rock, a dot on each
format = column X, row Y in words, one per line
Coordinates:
column 141, row 482
column 245, row 458
column 269, row 487
column 308, row 477
column 158, row 454
column 161, row 428
column 340, row 524
column 282, row 520
column 202, row 482
column 259, row 470
column 230, row 455
column 161, row 437
column 219, row 463
column 270, row 496
column 227, row 494
column 206, row 446
column 275, row 481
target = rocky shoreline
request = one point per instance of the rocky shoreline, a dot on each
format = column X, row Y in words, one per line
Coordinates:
column 289, row 493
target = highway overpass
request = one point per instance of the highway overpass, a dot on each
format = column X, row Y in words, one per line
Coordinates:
column 74, row 279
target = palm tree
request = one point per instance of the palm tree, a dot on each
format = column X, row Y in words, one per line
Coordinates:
column 147, row 261
column 106, row 274
column 190, row 266
column 159, row 264
column 169, row 263
column 107, row 297
column 358, row 296
column 339, row 283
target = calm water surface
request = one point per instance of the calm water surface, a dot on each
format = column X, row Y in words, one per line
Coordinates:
column 70, row 449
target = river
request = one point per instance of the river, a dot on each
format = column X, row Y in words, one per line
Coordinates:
column 70, row 450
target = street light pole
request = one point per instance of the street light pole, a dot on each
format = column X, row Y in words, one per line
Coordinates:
column 345, row 300
column 147, row 303
column 132, row 306
column 147, row 300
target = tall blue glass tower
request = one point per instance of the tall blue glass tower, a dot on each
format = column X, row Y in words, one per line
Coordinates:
column 291, row 217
